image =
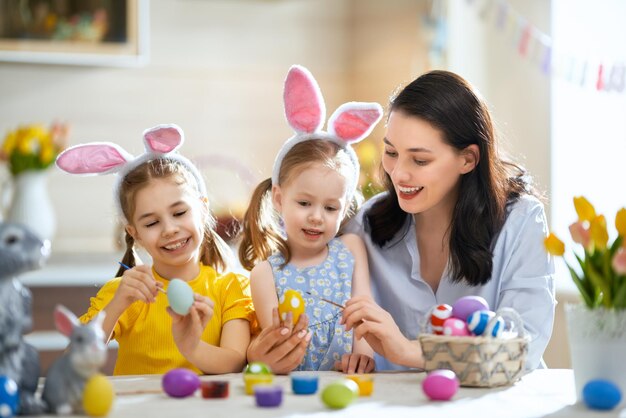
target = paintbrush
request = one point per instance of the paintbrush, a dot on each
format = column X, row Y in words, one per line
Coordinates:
column 128, row 268
column 326, row 300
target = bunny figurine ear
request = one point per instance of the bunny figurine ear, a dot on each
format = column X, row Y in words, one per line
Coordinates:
column 163, row 139
column 65, row 320
column 94, row 158
column 354, row 121
column 304, row 105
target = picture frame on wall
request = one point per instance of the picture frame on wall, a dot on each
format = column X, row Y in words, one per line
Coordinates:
column 75, row 32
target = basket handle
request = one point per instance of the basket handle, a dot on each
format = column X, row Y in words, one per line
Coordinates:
column 513, row 323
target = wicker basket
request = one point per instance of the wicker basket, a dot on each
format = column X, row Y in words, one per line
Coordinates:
column 478, row 361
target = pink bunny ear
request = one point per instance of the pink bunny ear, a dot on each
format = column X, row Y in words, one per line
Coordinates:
column 304, row 104
column 94, row 158
column 163, row 138
column 65, row 320
column 354, row 121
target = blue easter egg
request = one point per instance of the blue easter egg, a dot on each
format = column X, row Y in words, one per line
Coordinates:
column 494, row 327
column 477, row 321
column 180, row 296
column 601, row 394
column 9, row 397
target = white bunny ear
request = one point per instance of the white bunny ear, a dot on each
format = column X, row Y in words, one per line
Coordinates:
column 163, row 139
column 65, row 320
column 304, row 105
column 93, row 158
column 354, row 121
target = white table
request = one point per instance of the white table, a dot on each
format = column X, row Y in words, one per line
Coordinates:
column 539, row 394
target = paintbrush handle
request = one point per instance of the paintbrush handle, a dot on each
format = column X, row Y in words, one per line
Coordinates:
column 326, row 300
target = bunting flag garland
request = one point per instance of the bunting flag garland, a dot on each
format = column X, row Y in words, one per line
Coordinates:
column 537, row 47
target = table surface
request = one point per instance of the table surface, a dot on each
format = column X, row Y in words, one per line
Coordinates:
column 542, row 393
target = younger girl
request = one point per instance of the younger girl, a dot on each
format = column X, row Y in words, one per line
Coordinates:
column 161, row 197
column 312, row 188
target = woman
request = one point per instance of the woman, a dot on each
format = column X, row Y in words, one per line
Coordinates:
column 456, row 220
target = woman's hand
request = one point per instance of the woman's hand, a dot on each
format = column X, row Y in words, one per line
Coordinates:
column 355, row 363
column 136, row 284
column 376, row 325
column 280, row 347
column 187, row 329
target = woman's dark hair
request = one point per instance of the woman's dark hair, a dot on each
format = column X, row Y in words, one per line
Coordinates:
column 450, row 104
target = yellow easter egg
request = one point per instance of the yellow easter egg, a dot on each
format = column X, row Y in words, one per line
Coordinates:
column 98, row 396
column 291, row 301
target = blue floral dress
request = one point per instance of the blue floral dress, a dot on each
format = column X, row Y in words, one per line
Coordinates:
column 331, row 280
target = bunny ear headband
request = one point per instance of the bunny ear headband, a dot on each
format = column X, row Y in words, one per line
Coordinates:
column 305, row 111
column 99, row 158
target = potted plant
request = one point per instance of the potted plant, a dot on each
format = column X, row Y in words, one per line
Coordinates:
column 597, row 327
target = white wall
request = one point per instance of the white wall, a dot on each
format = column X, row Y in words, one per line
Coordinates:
column 516, row 90
column 216, row 69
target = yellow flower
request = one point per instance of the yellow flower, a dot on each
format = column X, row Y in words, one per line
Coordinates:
column 598, row 232
column 584, row 209
column 367, row 152
column 554, row 245
column 33, row 147
column 620, row 222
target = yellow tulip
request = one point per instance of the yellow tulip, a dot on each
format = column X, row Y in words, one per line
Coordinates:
column 598, row 232
column 620, row 222
column 554, row 245
column 9, row 143
column 47, row 154
column 584, row 209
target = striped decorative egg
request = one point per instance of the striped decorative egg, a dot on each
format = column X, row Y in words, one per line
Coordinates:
column 438, row 316
column 494, row 327
column 455, row 327
column 477, row 321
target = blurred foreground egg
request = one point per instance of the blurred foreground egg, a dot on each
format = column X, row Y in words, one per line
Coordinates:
column 291, row 301
column 340, row 393
column 98, row 396
column 179, row 296
column 180, row 383
column 601, row 394
column 440, row 385
column 9, row 397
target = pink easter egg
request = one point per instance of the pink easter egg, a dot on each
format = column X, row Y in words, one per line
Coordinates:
column 455, row 327
column 467, row 305
column 438, row 316
column 440, row 385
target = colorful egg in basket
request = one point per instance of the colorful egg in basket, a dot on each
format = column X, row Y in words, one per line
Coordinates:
column 480, row 361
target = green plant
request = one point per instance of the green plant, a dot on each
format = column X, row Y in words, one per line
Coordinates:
column 601, row 273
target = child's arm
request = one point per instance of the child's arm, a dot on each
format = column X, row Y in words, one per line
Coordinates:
column 136, row 284
column 187, row 330
column 361, row 360
column 263, row 292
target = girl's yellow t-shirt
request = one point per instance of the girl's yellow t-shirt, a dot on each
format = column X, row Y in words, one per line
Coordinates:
column 144, row 330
